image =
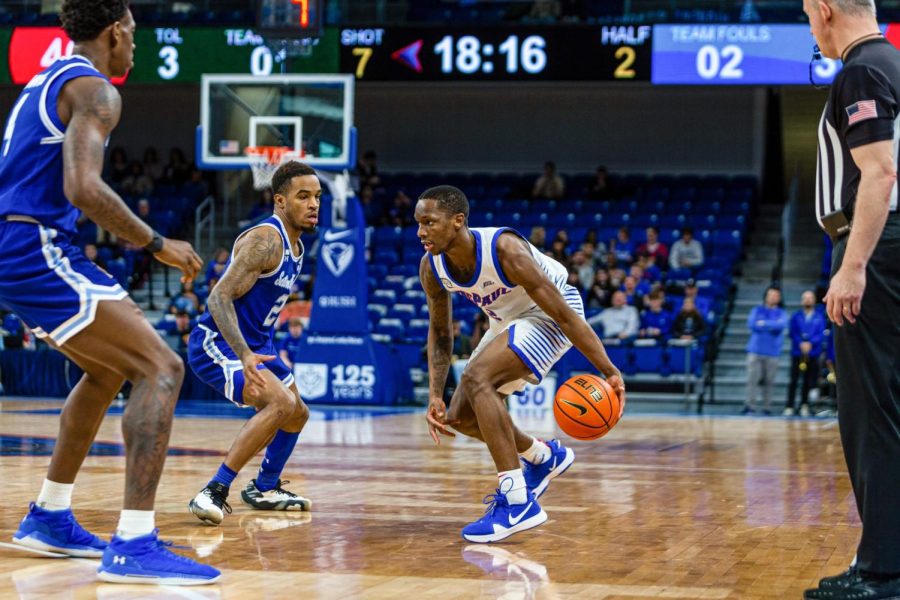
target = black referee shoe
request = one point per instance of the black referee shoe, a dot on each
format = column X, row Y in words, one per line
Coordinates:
column 856, row 585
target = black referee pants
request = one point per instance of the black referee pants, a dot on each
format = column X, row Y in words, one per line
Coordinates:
column 868, row 393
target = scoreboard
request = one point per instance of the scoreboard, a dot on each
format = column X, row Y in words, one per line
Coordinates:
column 667, row 54
column 176, row 54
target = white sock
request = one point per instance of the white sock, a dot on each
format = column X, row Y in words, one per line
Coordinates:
column 135, row 523
column 512, row 483
column 538, row 453
column 55, row 496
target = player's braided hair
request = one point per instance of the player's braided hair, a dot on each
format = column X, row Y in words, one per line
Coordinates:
column 84, row 20
column 282, row 177
column 450, row 199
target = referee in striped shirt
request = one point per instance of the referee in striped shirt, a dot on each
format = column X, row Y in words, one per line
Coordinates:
column 856, row 203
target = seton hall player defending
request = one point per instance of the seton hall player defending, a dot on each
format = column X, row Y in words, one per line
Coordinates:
column 51, row 158
column 234, row 339
column 533, row 314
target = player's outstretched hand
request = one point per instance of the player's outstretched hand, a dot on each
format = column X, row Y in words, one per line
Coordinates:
column 180, row 255
column 618, row 384
column 254, row 382
column 437, row 420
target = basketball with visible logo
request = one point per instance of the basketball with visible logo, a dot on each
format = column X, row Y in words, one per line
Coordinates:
column 586, row 407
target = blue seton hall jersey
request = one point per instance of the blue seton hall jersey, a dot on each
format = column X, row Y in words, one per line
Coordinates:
column 257, row 310
column 31, row 161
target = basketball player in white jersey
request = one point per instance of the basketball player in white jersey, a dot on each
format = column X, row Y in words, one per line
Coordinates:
column 535, row 318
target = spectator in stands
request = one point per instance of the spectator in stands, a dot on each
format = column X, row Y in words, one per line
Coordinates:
column 574, row 280
column 186, row 300
column 583, row 266
column 622, row 247
column 371, row 211
column 558, row 252
column 550, row 185
column 654, row 249
column 807, row 330
column 135, row 182
column 687, row 253
column 656, row 323
column 642, row 284
column 538, row 237
column 600, row 292
column 634, row 295
column 178, row 170
column 599, row 249
column 152, row 167
column 145, row 213
column 90, row 253
column 545, row 11
column 703, row 304
column 400, row 210
column 599, row 187
column 689, row 323
column 196, row 186
column 650, row 270
column 767, row 324
column 367, row 169
column 184, row 325
column 118, row 165
column 619, row 321
column 260, row 210
column 479, row 328
column 216, row 267
column 14, row 332
column 289, row 347
column 462, row 343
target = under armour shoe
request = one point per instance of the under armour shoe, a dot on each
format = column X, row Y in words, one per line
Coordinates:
column 147, row 559
column 211, row 505
column 538, row 477
column 57, row 531
column 277, row 498
column 502, row 519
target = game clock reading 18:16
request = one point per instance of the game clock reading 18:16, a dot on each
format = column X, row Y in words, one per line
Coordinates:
column 493, row 54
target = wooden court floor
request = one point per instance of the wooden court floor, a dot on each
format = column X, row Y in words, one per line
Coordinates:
column 663, row 507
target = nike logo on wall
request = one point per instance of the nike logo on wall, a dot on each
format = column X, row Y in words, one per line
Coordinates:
column 331, row 236
column 581, row 410
column 515, row 520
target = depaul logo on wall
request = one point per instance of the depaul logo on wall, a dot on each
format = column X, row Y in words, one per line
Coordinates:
column 312, row 380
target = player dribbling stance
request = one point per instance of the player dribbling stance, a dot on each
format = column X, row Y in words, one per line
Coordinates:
column 232, row 348
column 533, row 316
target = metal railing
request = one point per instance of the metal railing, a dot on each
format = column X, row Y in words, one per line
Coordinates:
column 205, row 222
column 788, row 218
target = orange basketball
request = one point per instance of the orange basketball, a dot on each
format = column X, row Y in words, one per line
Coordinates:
column 586, row 407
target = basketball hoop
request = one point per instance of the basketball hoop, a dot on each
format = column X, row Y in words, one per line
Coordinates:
column 265, row 160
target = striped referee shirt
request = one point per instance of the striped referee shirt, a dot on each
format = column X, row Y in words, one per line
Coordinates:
column 863, row 107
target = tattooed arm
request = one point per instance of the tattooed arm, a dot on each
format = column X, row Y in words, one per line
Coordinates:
column 257, row 252
column 90, row 107
column 440, row 348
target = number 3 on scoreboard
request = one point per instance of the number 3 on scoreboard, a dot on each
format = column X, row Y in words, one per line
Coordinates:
column 627, row 55
column 364, row 55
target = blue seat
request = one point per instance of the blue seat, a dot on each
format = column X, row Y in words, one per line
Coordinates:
column 678, row 355
column 404, row 312
column 648, row 359
column 390, row 327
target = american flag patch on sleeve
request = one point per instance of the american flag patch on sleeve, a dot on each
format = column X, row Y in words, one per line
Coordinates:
column 860, row 111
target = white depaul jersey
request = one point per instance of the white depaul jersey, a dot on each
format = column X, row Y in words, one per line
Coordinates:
column 489, row 288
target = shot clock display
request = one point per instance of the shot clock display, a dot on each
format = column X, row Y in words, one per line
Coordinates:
column 563, row 53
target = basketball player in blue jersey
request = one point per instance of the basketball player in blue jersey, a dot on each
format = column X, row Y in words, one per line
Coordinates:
column 535, row 317
column 232, row 349
column 51, row 159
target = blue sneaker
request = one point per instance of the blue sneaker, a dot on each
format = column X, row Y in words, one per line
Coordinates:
column 538, row 477
column 501, row 519
column 146, row 559
column 57, row 531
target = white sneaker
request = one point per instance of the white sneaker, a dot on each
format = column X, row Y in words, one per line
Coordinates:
column 277, row 498
column 210, row 504
column 788, row 412
column 804, row 410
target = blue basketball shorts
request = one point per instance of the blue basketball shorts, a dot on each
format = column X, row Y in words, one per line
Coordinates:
column 47, row 281
column 216, row 364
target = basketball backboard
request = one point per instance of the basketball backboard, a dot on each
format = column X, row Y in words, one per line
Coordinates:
column 312, row 114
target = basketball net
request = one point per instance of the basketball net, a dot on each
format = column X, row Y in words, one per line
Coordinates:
column 338, row 184
column 265, row 160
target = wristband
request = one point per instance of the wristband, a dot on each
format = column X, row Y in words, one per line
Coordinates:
column 155, row 245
